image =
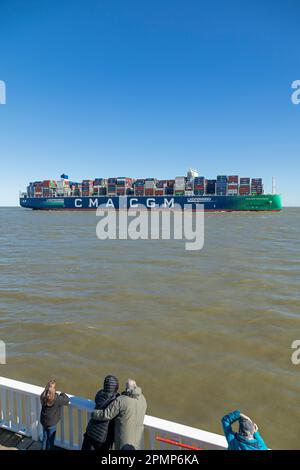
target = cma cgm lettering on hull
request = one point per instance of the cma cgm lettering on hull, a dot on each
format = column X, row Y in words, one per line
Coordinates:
column 216, row 203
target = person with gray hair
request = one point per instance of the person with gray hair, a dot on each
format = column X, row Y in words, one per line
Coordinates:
column 129, row 411
column 130, row 384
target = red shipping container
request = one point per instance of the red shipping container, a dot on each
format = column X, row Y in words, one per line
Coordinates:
column 233, row 179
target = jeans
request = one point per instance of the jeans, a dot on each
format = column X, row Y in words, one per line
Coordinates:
column 48, row 437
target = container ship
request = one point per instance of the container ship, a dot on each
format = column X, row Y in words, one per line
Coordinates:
column 223, row 194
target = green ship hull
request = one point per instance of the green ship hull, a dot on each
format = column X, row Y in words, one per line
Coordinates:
column 265, row 202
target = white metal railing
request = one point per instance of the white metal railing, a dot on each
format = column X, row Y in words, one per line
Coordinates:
column 20, row 412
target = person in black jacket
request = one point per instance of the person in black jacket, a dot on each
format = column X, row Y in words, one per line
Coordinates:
column 99, row 435
column 50, row 413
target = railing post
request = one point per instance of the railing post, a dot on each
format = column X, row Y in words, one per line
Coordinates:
column 62, row 427
column 19, row 408
column 10, row 409
column 3, row 405
column 79, row 420
column 151, row 433
column 34, row 418
column 71, row 427
column 27, row 415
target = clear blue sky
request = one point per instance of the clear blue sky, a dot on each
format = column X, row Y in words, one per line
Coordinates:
column 148, row 88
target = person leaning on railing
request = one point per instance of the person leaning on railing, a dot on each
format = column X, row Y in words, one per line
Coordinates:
column 50, row 414
column 99, row 435
column 247, row 437
column 129, row 411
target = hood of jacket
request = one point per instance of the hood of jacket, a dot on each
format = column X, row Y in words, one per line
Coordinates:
column 253, row 443
column 111, row 384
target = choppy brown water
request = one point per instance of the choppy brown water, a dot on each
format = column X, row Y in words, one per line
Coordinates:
column 202, row 332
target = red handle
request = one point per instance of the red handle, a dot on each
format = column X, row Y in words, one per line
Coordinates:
column 175, row 443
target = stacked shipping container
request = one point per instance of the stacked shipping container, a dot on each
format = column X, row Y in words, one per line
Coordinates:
column 99, row 187
column 112, row 186
column 232, row 185
column 224, row 185
column 256, row 186
column 169, row 189
column 38, row 189
column 87, row 187
column 139, row 187
column 49, row 188
column 244, row 186
column 150, row 185
column 122, row 185
column 160, row 187
column 180, row 185
column 210, row 187
column 221, row 185
column 199, row 185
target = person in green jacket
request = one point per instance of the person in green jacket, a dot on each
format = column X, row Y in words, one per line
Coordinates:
column 247, row 437
column 129, row 411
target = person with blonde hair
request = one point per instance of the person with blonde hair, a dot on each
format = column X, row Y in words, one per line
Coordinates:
column 52, row 403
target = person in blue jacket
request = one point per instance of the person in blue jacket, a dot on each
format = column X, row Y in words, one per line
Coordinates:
column 247, row 437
